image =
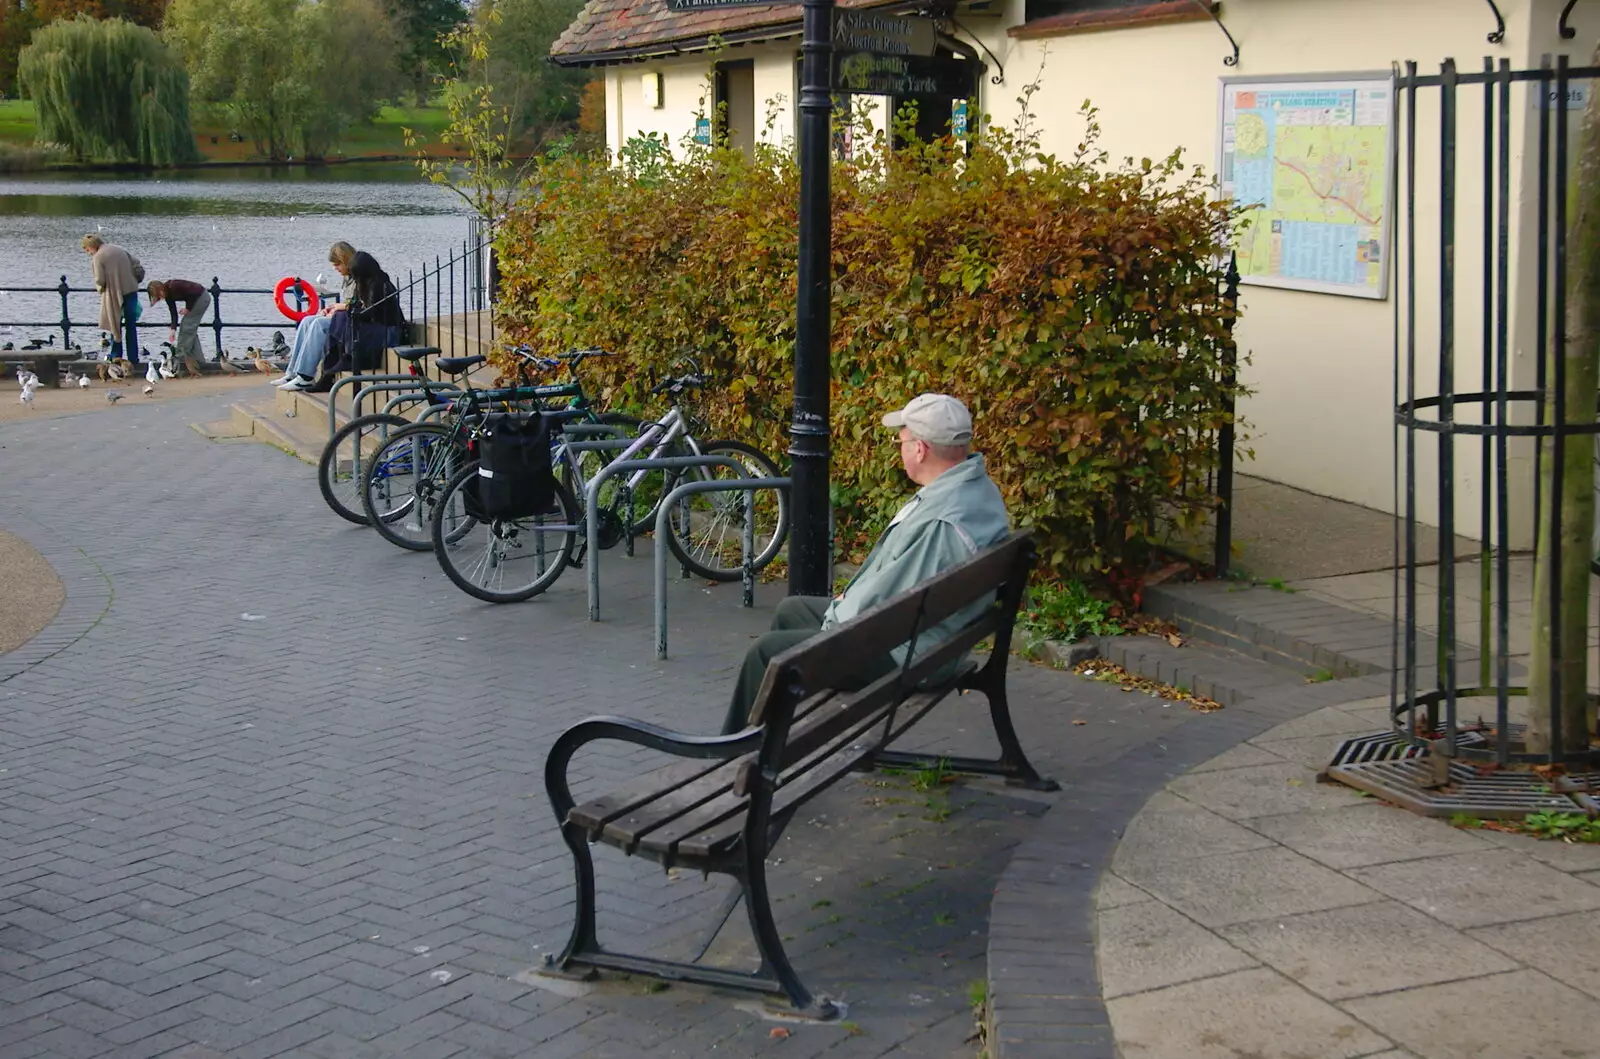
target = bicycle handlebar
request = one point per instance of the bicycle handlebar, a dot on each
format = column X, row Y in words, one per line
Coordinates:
column 678, row 383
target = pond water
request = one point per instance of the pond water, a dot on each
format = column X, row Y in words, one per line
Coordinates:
column 247, row 227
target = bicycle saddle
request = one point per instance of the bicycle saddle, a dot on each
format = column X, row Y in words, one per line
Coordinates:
column 457, row 365
column 414, row 353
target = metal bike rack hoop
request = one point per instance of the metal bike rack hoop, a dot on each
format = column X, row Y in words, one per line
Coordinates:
column 349, row 380
column 610, row 470
column 747, row 545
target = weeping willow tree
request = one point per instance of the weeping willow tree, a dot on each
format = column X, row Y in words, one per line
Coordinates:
column 110, row 91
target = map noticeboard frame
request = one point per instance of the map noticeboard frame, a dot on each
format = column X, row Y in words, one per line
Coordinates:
column 1335, row 245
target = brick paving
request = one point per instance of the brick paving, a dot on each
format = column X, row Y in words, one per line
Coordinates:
column 269, row 786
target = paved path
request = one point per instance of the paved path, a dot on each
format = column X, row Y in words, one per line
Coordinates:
column 269, row 786
column 1252, row 911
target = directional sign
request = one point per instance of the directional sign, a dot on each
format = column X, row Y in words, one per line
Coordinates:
column 855, row 31
column 872, row 74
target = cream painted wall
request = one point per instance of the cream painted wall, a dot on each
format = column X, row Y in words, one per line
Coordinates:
column 1322, row 366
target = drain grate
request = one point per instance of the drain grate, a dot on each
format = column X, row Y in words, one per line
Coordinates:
column 1393, row 746
column 1490, row 794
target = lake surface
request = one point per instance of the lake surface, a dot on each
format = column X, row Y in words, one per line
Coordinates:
column 247, row 227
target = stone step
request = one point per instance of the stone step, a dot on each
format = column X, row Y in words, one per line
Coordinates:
column 1284, row 628
column 264, row 420
column 1205, row 669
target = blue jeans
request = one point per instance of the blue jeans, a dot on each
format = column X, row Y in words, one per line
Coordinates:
column 130, row 332
column 310, row 343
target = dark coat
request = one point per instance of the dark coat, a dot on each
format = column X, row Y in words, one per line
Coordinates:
column 376, row 300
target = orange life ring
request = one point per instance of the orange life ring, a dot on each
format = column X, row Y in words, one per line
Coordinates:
column 312, row 301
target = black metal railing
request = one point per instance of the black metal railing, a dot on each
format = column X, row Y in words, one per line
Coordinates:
column 452, row 293
column 66, row 292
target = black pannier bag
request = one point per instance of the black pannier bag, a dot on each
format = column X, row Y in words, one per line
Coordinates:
column 515, row 479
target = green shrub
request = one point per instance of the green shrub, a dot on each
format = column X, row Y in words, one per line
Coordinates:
column 1071, row 303
column 1066, row 611
column 20, row 158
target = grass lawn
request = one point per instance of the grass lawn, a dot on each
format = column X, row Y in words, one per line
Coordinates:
column 16, row 121
column 382, row 136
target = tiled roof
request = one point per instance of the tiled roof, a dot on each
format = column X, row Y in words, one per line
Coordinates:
column 621, row 29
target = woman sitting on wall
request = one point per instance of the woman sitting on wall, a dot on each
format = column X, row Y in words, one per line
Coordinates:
column 357, row 338
column 311, row 336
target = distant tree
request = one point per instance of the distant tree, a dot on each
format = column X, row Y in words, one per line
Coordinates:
column 109, row 91
column 592, row 113
column 293, row 75
column 18, row 20
column 542, row 98
column 424, row 26
column 139, row 12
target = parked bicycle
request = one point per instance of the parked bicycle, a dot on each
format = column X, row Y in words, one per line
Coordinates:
column 506, row 560
column 409, row 470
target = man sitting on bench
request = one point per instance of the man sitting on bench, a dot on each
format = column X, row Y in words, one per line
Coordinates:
column 956, row 514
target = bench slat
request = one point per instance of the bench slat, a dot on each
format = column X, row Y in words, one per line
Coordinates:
column 728, row 808
column 596, row 813
column 716, row 841
column 805, row 738
column 856, row 644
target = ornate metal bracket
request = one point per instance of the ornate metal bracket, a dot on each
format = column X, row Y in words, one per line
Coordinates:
column 1210, row 8
column 998, row 78
column 1567, row 32
column 1499, row 34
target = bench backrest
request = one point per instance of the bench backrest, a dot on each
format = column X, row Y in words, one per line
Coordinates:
column 996, row 576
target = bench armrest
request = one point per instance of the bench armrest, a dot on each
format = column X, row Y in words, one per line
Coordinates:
column 627, row 730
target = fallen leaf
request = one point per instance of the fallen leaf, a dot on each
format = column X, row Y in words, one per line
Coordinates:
column 1080, row 722
column 778, row 1033
column 1174, row 639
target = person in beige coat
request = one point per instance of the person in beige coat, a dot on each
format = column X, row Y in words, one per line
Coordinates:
column 116, row 277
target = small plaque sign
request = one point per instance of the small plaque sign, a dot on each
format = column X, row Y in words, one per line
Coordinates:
column 869, row 73
column 855, row 31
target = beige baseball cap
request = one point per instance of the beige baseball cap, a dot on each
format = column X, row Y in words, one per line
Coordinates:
column 936, row 418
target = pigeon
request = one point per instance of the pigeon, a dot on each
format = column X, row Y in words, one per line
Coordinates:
column 150, row 391
column 114, row 396
column 83, row 382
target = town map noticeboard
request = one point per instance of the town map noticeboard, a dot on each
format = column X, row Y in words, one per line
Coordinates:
column 1314, row 157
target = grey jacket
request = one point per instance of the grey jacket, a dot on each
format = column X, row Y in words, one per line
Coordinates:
column 950, row 519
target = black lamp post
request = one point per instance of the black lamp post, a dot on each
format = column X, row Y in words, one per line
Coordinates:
column 809, row 447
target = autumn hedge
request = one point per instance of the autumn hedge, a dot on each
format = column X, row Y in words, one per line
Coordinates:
column 1072, row 303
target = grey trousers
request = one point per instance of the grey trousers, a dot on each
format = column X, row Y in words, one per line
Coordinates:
column 188, row 345
column 798, row 618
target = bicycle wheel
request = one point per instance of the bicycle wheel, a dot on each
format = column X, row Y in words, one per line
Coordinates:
column 407, row 475
column 337, row 475
column 502, row 560
column 705, row 531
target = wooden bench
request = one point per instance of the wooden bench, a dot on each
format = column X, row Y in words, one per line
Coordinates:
column 45, row 363
column 724, row 808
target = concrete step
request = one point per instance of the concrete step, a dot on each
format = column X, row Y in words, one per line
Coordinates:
column 1214, row 672
column 264, row 420
column 1284, row 628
